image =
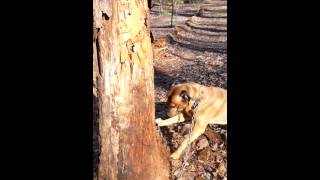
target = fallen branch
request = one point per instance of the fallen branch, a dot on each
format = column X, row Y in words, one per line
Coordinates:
column 203, row 32
column 213, row 28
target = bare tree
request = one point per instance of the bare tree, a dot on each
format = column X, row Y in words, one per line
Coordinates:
column 130, row 147
column 161, row 6
column 172, row 10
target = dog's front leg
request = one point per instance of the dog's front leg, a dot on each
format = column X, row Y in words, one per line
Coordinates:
column 175, row 119
column 196, row 132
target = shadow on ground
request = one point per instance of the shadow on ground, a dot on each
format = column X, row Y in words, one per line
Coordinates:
column 164, row 81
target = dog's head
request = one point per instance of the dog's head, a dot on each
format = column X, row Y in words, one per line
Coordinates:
column 178, row 99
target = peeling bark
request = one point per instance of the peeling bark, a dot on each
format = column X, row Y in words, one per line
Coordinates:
column 130, row 146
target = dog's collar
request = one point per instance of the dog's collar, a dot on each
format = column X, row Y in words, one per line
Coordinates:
column 196, row 101
column 195, row 104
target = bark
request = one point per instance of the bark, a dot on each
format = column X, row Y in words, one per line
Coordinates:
column 130, row 146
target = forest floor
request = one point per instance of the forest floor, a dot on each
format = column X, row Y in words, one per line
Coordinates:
column 195, row 50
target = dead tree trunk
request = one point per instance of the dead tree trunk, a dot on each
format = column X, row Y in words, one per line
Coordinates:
column 130, row 147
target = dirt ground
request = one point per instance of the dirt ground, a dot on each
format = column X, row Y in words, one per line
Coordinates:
column 195, row 50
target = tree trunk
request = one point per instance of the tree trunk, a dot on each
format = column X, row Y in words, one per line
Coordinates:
column 172, row 11
column 130, row 146
column 160, row 7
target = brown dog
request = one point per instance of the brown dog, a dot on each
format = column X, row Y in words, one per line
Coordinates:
column 212, row 109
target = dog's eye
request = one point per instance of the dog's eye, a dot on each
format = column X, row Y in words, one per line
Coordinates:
column 172, row 106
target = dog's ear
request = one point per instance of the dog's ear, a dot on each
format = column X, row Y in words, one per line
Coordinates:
column 185, row 96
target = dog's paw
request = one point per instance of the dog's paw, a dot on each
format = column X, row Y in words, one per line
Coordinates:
column 175, row 155
column 158, row 121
